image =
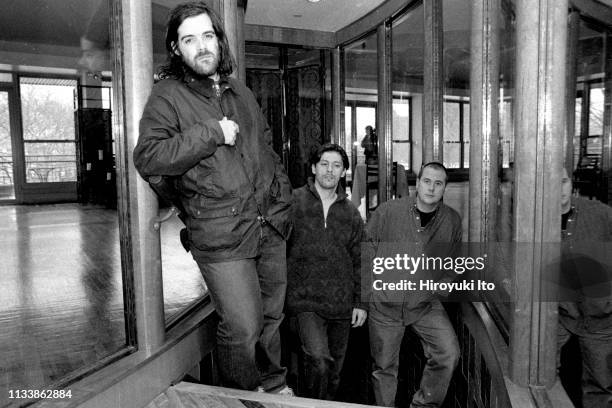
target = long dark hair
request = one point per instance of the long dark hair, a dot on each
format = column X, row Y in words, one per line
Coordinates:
column 174, row 66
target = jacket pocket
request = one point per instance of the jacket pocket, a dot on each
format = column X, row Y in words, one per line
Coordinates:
column 216, row 223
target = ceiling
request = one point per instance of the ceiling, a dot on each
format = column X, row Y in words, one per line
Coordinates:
column 324, row 15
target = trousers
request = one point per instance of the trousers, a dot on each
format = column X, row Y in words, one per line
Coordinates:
column 440, row 347
column 596, row 354
column 324, row 343
column 249, row 296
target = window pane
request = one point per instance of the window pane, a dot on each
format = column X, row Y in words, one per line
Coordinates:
column 361, row 87
column 349, row 144
column 6, row 150
column 407, row 87
column 596, row 108
column 401, row 132
column 50, row 162
column 452, row 144
column 451, row 154
column 47, row 109
column 466, row 135
column 452, row 121
column 502, row 272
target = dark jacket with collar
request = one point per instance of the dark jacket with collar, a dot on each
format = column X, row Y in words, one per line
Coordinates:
column 586, row 251
column 223, row 188
column 324, row 256
column 395, row 228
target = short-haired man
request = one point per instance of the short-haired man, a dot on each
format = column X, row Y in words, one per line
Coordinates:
column 586, row 234
column 418, row 222
column 206, row 130
column 324, row 259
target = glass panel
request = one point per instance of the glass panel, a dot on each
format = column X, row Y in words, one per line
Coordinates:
column 365, row 117
column 62, row 307
column 50, row 162
column 407, row 37
column 578, row 131
column 350, row 144
column 182, row 281
column 47, row 110
column 7, row 184
column 456, row 20
column 596, row 110
column 466, row 135
column 452, row 142
column 502, row 271
column 401, row 132
column 361, row 83
column 590, row 51
column 361, row 92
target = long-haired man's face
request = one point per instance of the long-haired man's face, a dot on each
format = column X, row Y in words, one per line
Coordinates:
column 198, row 45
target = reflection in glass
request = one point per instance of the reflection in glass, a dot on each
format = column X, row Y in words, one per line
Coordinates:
column 7, row 186
column 456, row 22
column 407, row 38
column 47, row 108
column 361, row 90
column 502, row 271
column 62, row 304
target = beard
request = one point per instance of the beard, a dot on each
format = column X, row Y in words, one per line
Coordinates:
column 204, row 64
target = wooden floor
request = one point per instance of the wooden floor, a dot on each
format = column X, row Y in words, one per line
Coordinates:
column 187, row 395
column 61, row 297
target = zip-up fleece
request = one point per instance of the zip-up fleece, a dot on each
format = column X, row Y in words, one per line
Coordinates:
column 224, row 188
column 324, row 256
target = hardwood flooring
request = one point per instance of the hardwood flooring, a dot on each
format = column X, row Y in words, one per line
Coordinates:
column 188, row 395
column 61, row 296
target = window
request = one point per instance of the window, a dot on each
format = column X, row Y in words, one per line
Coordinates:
column 47, row 107
column 456, row 134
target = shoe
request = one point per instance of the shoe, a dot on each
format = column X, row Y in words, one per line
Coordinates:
column 259, row 389
column 286, row 390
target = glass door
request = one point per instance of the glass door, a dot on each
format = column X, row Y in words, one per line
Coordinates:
column 49, row 138
column 7, row 178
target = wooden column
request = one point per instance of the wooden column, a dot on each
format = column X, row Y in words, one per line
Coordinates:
column 232, row 15
column 573, row 31
column 132, row 56
column 433, row 82
column 484, row 118
column 384, row 114
column 539, row 123
column 338, row 133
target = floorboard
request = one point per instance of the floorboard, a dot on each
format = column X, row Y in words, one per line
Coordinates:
column 61, row 299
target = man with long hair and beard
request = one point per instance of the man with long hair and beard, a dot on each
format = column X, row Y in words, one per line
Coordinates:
column 204, row 132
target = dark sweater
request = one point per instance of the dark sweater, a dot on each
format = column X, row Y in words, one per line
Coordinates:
column 324, row 256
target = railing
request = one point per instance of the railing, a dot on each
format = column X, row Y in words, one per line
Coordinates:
column 40, row 169
column 6, row 170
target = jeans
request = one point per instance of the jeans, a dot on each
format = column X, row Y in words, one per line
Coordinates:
column 249, row 295
column 596, row 353
column 441, row 350
column 324, row 343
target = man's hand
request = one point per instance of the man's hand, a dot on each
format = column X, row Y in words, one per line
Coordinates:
column 230, row 130
column 359, row 317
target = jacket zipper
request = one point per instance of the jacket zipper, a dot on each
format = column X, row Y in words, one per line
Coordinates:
column 218, row 93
